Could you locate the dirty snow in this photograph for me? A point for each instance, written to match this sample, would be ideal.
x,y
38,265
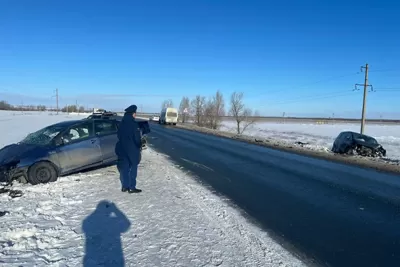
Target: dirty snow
x,y
321,136
175,221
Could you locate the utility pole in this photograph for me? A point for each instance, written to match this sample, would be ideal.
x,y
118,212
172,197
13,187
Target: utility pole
x,y
57,99
364,106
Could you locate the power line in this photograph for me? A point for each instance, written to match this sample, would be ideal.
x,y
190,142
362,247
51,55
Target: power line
x,y
387,89
314,97
309,84
385,70
127,95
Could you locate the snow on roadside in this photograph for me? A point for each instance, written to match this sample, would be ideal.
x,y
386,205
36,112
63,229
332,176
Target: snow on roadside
x,y
175,221
320,136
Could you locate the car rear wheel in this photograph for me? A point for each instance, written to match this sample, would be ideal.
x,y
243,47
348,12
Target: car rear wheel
x,y
42,173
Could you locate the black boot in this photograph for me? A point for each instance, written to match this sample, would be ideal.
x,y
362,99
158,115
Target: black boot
x,y
134,191
124,189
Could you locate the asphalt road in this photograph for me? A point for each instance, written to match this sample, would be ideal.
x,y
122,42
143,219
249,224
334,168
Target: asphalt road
x,y
329,213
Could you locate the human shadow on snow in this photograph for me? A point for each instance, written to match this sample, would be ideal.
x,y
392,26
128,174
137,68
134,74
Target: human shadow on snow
x,y
103,229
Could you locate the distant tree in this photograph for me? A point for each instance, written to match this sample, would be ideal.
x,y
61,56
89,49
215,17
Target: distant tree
x,y
167,104
41,107
81,109
198,106
70,108
214,111
4,105
184,105
243,116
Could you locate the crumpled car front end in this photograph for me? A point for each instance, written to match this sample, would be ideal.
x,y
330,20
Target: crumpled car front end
x,y
13,165
367,150
8,171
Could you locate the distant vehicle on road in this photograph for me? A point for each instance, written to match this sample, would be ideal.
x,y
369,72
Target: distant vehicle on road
x,y
168,116
360,144
155,118
61,149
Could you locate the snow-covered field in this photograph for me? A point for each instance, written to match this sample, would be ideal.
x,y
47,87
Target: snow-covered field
x,y
321,136
175,221
15,125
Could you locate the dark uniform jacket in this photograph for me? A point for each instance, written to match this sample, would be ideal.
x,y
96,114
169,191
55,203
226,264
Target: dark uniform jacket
x,y
129,140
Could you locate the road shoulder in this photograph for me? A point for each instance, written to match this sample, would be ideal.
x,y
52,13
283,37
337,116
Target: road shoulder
x,y
378,164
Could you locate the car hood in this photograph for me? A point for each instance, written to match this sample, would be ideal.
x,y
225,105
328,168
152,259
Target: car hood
x,y
16,152
366,144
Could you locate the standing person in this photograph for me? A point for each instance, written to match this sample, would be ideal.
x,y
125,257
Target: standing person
x,y
128,150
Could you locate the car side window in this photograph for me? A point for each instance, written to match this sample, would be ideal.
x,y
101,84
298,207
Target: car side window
x,y
77,133
105,127
342,137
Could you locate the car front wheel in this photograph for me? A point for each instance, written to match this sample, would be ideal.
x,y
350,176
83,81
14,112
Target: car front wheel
x,y
42,173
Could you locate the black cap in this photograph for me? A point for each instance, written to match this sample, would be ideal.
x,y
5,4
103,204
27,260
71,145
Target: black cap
x,y
131,109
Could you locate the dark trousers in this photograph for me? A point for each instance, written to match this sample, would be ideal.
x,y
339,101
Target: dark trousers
x,y
127,173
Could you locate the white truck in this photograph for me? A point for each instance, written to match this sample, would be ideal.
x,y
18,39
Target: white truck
x,y
168,116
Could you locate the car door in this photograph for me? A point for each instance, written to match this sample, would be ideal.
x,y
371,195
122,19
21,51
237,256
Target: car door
x,y
106,131
346,142
78,147
336,143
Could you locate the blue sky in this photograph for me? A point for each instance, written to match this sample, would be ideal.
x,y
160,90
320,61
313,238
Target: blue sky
x,y
298,57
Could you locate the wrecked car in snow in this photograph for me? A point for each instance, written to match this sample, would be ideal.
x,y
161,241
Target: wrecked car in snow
x,y
353,143
61,149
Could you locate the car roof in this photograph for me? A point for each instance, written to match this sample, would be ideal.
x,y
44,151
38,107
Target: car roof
x,y
358,134
66,123
72,122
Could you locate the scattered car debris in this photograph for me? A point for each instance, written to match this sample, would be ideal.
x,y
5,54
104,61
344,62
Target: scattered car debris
x,y
352,143
144,143
3,213
301,143
15,193
12,193
4,190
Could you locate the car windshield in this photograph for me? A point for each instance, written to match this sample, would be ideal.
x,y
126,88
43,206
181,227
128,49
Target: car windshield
x,y
43,136
366,138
